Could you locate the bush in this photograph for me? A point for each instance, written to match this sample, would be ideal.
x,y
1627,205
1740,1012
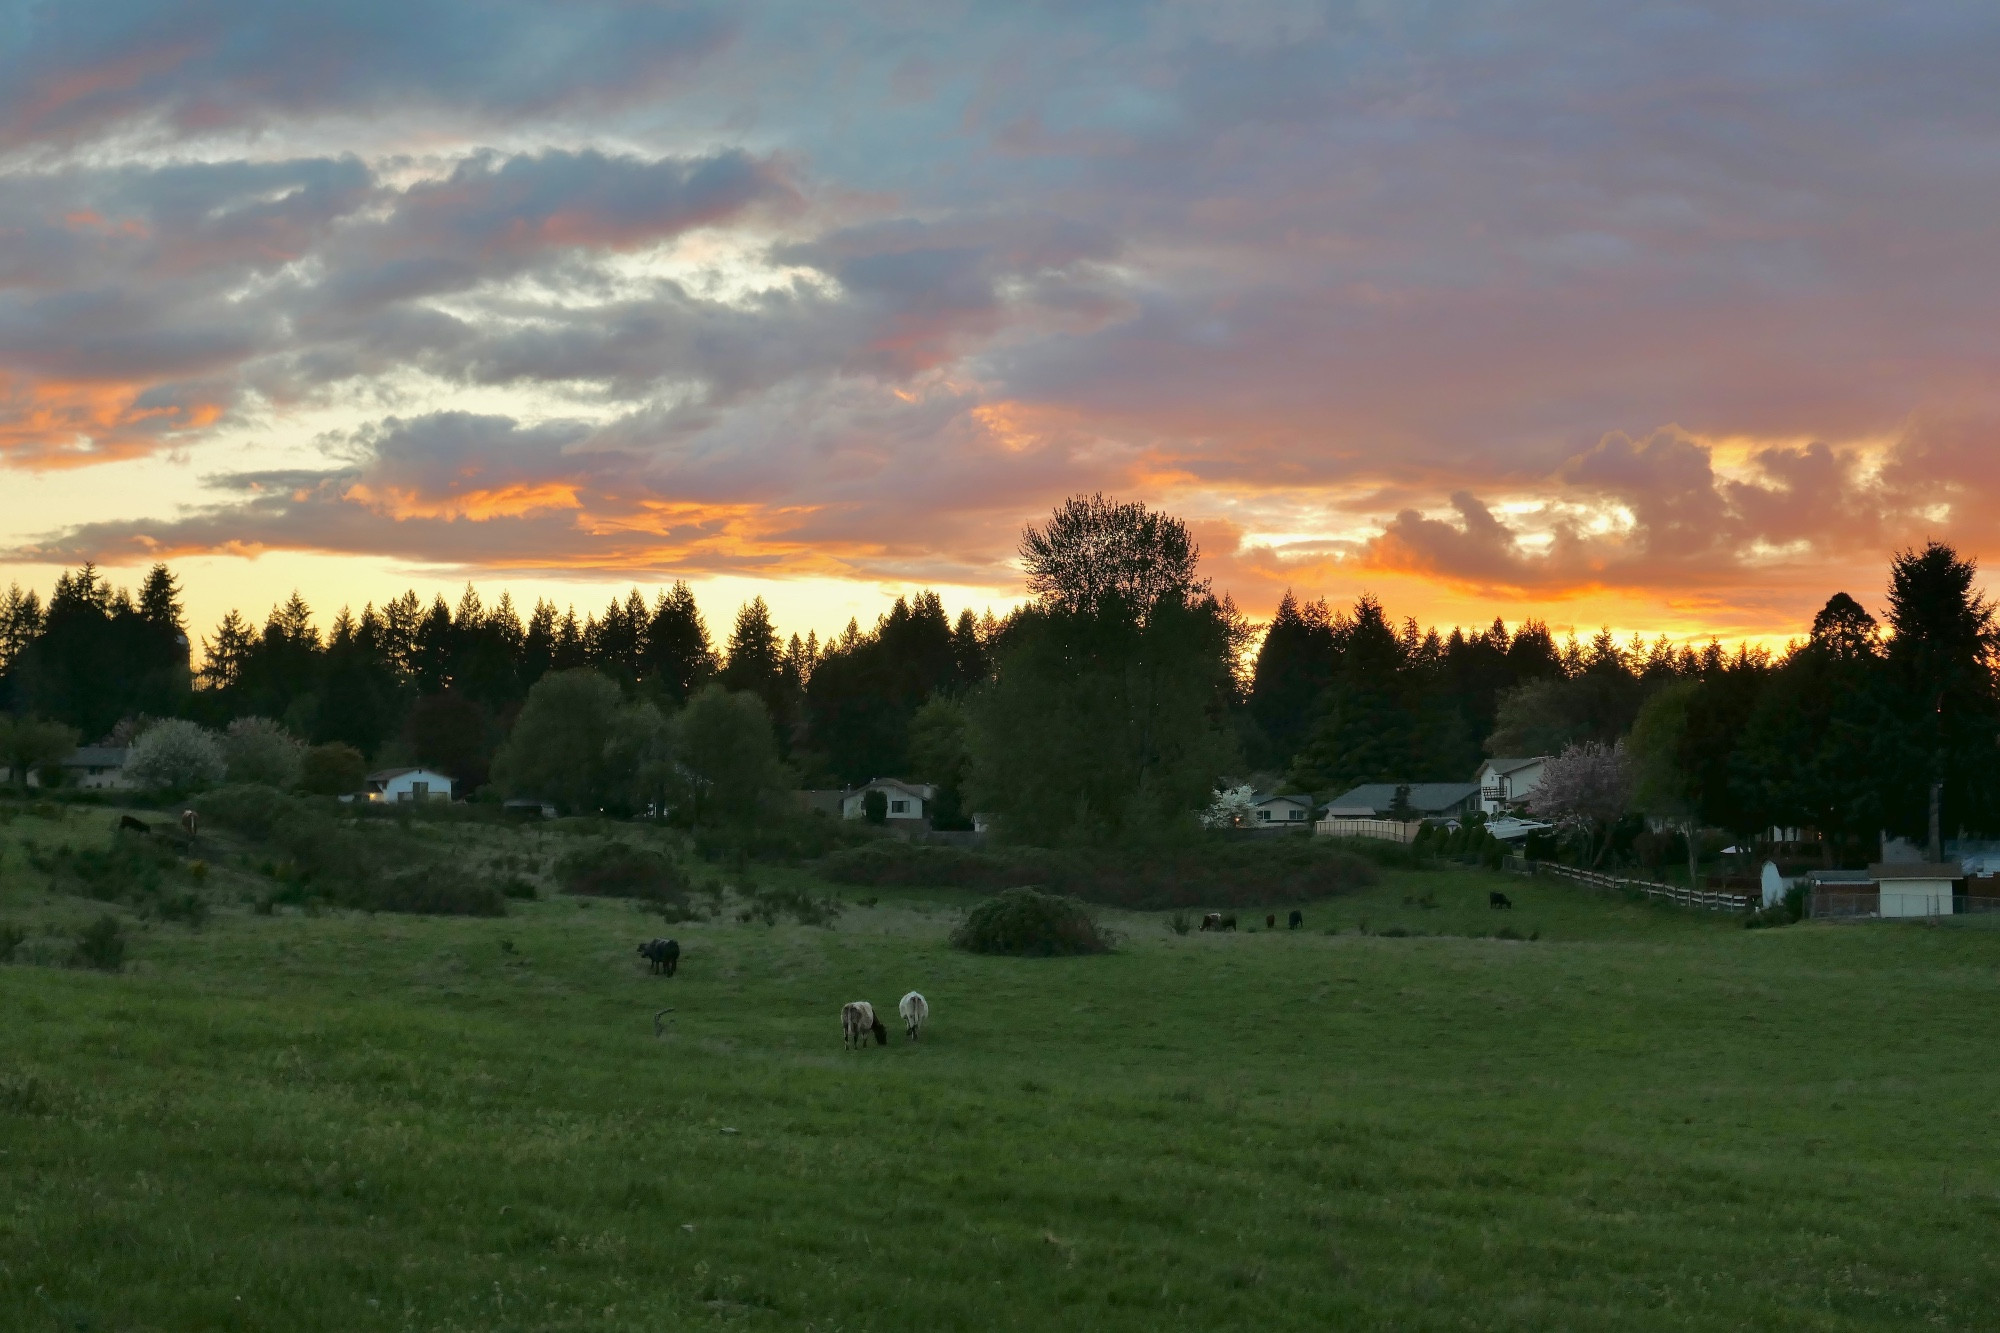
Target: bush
x,y
132,868
621,870
1030,923
12,937
252,809
101,945
256,749
1214,871
516,887
428,891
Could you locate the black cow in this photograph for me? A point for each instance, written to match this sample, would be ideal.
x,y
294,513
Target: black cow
x,y
663,955
1228,922
1298,919
1498,900
1270,921
127,824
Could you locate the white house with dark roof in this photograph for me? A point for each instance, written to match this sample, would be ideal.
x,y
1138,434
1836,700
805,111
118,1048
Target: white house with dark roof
x,y
391,785
907,801
1504,783
1272,811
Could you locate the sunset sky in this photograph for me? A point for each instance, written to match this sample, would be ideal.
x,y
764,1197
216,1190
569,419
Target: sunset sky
x,y
1669,317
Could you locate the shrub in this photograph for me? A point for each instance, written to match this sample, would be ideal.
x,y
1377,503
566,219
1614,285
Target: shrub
x,y
12,937
1030,923
176,756
252,809
188,907
101,945
427,891
621,870
516,887
133,869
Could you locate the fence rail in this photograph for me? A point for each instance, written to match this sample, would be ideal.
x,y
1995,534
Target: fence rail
x,y
1708,900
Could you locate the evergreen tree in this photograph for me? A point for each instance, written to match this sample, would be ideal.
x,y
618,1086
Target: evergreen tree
x,y
678,659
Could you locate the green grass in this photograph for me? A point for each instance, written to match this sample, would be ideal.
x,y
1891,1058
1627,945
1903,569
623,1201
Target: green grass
x,y
1646,1119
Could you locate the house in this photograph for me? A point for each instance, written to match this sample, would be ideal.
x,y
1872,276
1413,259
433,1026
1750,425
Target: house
x,y
907,801
1507,782
408,784
97,767
1271,811
1915,888
1428,800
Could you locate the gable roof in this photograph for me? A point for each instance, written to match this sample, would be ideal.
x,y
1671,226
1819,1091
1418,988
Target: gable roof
x,y
1426,798
391,774
1504,766
923,791
1267,797
97,756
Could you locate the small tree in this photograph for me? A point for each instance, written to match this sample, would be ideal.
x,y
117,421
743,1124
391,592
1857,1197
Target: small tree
x,y
729,757
1230,808
27,744
1662,785
561,748
1400,808
177,757
1585,789
875,807
256,749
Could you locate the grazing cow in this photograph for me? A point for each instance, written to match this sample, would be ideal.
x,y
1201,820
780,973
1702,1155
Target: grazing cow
x,y
127,824
1298,919
857,1020
664,956
1498,900
1213,921
1228,922
188,821
1270,921
916,1012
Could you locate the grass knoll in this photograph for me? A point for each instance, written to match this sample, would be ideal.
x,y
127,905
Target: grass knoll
x,y
1643,1119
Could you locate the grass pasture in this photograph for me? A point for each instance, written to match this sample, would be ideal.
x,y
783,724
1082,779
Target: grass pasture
x,y
1643,1119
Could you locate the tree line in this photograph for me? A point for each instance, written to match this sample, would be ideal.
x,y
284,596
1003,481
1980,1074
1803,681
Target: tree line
x,y
1109,705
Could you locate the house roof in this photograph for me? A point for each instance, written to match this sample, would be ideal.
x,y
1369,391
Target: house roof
x,y
391,774
97,756
923,791
1504,766
1266,797
1426,798
1917,870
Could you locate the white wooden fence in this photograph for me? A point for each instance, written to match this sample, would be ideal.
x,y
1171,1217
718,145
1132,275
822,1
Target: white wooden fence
x,y
1711,900
1394,830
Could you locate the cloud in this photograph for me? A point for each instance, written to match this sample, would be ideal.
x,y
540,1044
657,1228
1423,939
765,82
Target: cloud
x,y
82,70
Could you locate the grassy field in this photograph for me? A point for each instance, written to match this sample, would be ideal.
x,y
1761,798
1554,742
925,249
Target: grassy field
x,y
1641,1119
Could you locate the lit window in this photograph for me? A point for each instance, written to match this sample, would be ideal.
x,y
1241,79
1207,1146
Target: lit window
x,y
899,807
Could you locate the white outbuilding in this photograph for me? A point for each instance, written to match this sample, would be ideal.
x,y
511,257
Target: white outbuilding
x,y
1915,888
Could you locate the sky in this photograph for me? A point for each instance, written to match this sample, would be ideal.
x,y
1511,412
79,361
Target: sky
x,y
1667,317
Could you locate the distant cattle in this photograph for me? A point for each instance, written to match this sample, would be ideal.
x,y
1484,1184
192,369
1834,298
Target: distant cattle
x,y
1298,919
1228,922
127,824
188,822
1499,900
1270,921
916,1012
664,956
1213,921
857,1020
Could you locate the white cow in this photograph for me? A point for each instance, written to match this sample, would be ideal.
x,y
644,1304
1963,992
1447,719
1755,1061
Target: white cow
x,y
916,1012
857,1020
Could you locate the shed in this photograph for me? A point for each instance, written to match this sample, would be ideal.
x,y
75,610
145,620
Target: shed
x,y
408,784
1916,888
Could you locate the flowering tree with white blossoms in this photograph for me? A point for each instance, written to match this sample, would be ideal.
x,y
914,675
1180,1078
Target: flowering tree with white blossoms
x,y
1585,789
176,756
1229,808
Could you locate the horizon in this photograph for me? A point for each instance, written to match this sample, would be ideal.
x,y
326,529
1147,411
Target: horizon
x,y
1667,322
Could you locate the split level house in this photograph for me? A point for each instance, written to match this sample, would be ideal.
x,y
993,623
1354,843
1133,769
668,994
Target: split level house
x,y
1506,783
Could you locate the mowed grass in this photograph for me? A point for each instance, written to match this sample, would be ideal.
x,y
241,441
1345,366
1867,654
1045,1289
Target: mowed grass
x,y
1645,1119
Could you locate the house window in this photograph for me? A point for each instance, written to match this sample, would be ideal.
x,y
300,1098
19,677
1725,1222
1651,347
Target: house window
x,y
420,791
1263,815
899,807
1295,814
